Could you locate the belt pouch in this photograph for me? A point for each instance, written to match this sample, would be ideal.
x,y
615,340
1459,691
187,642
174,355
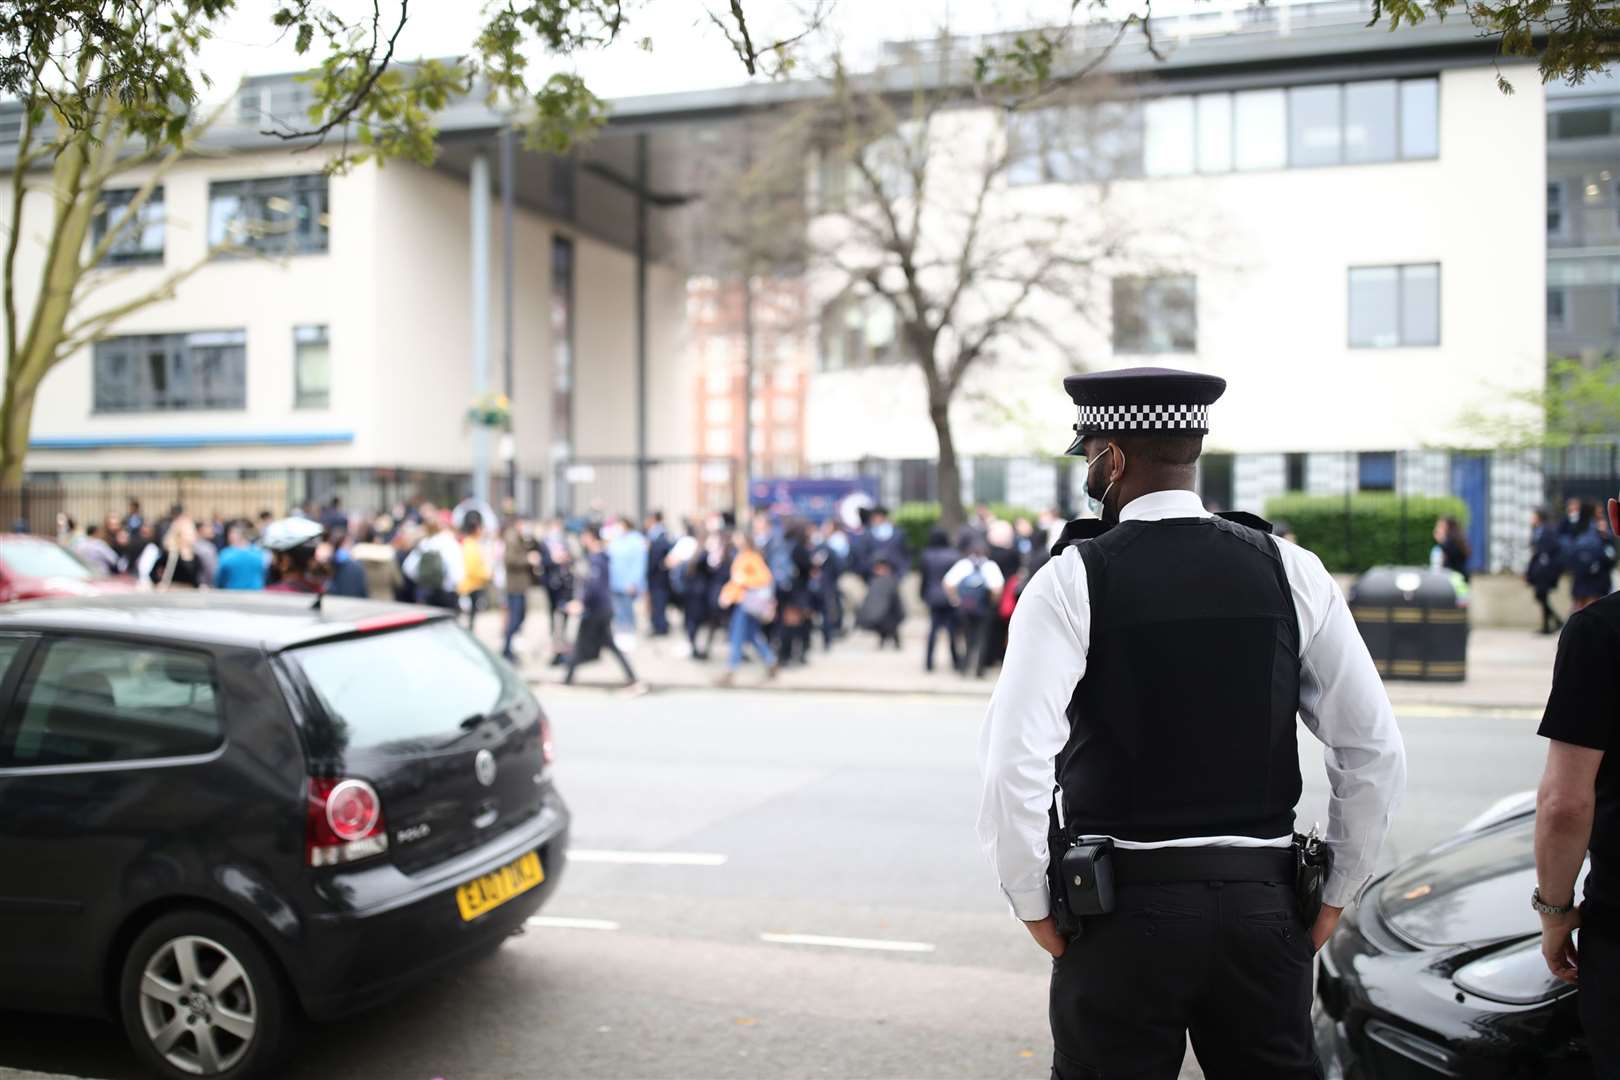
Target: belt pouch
x,y
1087,875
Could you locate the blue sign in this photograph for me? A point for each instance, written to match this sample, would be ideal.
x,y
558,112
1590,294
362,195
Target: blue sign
x,y
813,498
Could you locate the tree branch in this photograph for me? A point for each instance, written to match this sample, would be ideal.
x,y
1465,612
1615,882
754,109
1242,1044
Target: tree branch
x,y
357,97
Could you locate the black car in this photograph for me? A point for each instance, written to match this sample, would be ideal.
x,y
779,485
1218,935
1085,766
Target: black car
x,y
1438,971
220,812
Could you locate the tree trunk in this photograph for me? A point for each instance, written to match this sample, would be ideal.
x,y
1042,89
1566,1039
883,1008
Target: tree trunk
x,y
15,423
949,474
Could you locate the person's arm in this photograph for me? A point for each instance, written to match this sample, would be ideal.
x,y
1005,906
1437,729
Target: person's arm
x,y
958,572
1580,725
1023,732
994,579
1343,703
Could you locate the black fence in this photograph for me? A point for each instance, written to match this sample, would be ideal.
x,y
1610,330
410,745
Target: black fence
x,y
1389,499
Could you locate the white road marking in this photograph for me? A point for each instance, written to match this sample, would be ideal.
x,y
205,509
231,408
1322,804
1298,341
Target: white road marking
x,y
848,942
558,922
647,858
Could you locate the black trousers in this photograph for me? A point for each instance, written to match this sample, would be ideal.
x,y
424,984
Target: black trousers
x,y
942,620
1227,963
1599,999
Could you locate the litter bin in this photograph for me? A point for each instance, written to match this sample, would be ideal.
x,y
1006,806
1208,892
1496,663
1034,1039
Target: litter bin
x,y
1414,621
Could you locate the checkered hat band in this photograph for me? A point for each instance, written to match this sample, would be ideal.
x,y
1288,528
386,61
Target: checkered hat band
x,y
1144,418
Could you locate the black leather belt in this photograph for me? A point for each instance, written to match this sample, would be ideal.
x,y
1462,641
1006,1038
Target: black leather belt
x,y
1166,866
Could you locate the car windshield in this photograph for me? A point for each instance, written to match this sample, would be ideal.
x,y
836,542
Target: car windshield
x,y
41,559
407,686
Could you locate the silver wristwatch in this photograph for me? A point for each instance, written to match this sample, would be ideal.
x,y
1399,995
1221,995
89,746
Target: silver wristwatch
x,y
1549,909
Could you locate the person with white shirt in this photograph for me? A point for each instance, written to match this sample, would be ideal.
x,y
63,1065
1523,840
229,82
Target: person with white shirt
x,y
973,585
1155,668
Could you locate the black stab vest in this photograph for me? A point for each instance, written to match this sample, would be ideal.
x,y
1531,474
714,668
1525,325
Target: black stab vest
x,y
1184,722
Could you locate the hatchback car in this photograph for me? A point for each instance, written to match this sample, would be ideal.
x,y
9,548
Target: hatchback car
x,y
220,812
1438,971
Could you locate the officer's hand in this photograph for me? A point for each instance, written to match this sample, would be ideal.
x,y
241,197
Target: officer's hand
x,y
1327,921
1558,945
1045,933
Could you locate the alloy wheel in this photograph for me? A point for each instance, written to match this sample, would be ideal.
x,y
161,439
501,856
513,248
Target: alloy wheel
x,y
198,1006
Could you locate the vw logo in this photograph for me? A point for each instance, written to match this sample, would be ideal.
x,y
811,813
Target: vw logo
x,y
484,767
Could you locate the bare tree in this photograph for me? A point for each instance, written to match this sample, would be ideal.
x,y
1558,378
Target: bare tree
x,y
922,209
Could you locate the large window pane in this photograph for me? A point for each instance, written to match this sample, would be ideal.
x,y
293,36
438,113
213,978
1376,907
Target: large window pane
x,y
312,367
1260,122
1375,307
139,240
1215,133
90,702
276,215
163,372
1167,147
1420,305
1155,315
1369,121
1314,125
1420,118
1555,207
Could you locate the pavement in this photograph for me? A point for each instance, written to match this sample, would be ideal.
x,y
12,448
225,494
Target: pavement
x,y
1508,669
775,886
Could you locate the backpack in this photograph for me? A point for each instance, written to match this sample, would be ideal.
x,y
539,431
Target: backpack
x,y
1586,554
973,594
430,570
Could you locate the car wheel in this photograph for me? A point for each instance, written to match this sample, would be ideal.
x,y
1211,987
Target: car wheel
x,y
200,997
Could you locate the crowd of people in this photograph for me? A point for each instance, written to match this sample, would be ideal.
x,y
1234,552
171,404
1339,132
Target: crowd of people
x,y
1578,544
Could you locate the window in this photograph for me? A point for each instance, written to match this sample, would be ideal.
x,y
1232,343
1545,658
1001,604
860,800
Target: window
x,y
1557,309
1556,194
1315,127
161,372
139,240
717,441
91,702
312,368
1394,306
1594,122
1259,120
1370,121
857,331
1420,118
1296,475
1155,315
1168,142
717,410
1215,480
1215,133
989,480
1375,472
1075,144
283,215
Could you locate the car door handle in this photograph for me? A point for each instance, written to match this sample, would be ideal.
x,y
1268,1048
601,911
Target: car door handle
x,y
485,818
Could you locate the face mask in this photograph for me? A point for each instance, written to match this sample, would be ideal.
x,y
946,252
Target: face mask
x,y
1094,502
883,530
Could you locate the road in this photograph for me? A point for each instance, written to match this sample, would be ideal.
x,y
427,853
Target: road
x,y
773,820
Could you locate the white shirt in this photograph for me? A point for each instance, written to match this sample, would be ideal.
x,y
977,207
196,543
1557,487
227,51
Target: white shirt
x,y
449,548
1341,700
988,570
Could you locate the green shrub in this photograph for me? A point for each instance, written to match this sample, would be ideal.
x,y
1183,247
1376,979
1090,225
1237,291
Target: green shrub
x,y
1376,526
917,519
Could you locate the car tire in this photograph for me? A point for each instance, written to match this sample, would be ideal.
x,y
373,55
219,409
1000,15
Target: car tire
x,y
199,996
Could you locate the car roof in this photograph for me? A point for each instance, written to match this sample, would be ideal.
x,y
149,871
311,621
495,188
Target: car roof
x,y
215,617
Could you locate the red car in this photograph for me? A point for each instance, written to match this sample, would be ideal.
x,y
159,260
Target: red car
x,y
33,568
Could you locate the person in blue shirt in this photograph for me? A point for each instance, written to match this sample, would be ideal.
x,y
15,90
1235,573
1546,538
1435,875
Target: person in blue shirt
x,y
241,564
627,577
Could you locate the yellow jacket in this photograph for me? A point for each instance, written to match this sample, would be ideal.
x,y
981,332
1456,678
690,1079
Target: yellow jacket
x,y
475,575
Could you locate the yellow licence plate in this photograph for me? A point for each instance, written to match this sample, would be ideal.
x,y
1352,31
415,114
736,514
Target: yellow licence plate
x,y
485,893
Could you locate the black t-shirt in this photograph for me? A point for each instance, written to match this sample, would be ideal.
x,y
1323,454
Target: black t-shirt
x,y
1584,709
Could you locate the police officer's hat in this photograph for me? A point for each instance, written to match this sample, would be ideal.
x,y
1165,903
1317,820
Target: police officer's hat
x,y
1142,400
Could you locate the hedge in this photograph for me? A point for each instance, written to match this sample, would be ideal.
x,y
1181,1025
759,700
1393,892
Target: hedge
x,y
1375,528
917,519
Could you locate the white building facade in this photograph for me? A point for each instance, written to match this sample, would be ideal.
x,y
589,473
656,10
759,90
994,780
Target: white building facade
x,y
1358,248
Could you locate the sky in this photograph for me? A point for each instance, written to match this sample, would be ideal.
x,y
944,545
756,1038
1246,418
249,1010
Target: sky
x,y
687,51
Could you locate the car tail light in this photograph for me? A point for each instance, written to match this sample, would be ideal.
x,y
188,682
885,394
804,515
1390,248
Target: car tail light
x,y
344,822
548,753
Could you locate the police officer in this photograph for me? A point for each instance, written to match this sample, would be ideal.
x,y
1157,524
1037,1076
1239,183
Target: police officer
x,y
1153,674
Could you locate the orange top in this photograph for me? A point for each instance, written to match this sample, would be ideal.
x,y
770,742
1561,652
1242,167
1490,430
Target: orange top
x,y
748,571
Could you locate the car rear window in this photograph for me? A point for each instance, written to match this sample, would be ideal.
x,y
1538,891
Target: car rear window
x,y
40,559
87,701
404,685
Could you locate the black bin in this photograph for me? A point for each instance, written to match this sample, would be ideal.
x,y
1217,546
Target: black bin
x,y
1414,621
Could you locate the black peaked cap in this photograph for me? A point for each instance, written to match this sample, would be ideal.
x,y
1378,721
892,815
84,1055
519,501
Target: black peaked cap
x,y
1143,400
